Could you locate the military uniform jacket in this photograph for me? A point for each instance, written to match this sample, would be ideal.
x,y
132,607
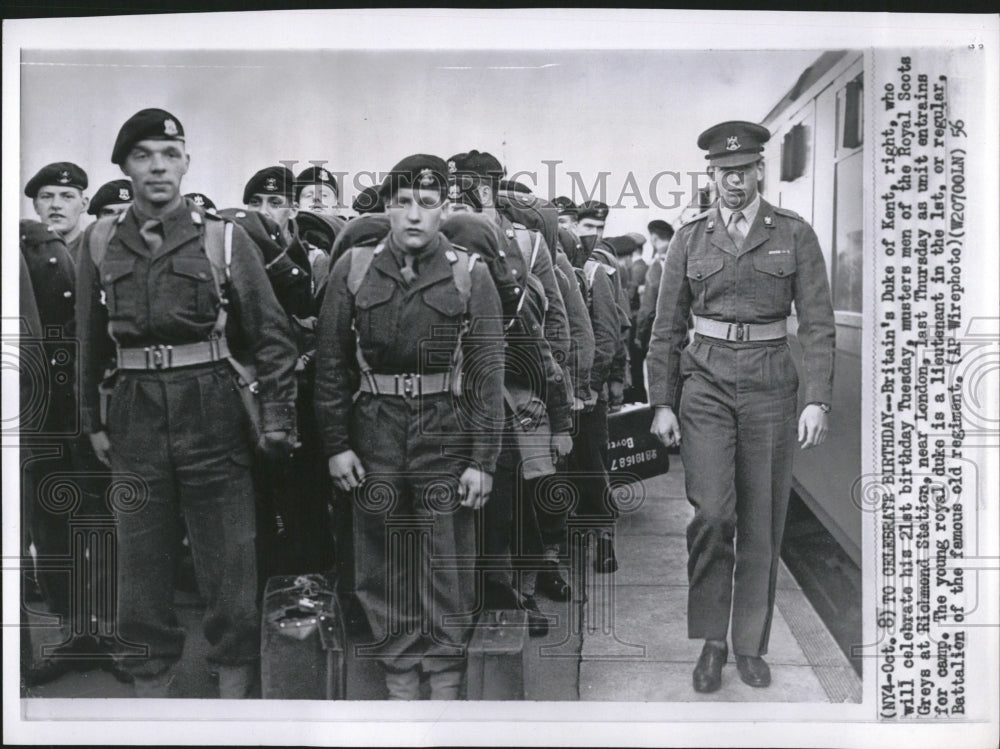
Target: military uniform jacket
x,y
706,275
410,329
581,344
171,298
647,302
52,277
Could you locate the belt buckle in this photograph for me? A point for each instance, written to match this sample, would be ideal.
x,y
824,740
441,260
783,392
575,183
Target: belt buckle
x,y
158,357
740,331
408,385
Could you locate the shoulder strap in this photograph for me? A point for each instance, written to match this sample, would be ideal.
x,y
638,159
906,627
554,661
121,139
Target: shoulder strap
x,y
219,249
100,237
361,260
529,252
590,270
462,273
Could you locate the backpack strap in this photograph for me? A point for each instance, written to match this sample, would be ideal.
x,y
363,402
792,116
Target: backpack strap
x,y
528,252
219,249
100,237
361,260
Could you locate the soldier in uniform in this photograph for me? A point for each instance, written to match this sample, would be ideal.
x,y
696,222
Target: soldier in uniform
x,y
111,199
176,419
477,176
567,212
660,233
737,269
419,443
316,190
56,192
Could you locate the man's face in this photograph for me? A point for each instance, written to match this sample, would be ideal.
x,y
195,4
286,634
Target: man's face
x,y
567,222
415,216
278,208
156,168
60,207
321,199
660,243
737,185
586,227
113,209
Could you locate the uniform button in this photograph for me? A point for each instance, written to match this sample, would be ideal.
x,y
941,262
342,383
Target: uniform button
x,y
202,275
295,271
52,261
781,271
698,274
517,289
67,294
513,272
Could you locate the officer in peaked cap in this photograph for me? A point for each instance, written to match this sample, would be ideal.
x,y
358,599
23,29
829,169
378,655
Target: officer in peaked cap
x,y
201,200
56,193
316,190
111,199
392,361
737,407
568,212
149,294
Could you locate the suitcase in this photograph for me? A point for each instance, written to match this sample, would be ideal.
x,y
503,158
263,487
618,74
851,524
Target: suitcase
x,y
302,640
495,669
633,452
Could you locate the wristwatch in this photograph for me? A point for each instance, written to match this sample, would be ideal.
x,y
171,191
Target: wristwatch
x,y
824,407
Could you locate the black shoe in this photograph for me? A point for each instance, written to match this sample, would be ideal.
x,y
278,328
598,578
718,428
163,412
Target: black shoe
x,y
604,556
707,676
44,671
552,584
538,623
753,670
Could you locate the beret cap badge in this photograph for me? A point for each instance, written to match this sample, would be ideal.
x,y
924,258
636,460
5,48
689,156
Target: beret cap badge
x,y
123,194
169,127
271,184
64,177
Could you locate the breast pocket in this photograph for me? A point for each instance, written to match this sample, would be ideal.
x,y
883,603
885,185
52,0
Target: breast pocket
x,y
190,285
774,281
117,278
703,278
376,313
445,300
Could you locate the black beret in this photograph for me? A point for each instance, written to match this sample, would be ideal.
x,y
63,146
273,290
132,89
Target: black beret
x,y
734,143
621,246
661,228
593,209
201,200
472,232
149,124
271,180
315,175
419,170
565,206
61,173
368,201
115,191
482,164
514,186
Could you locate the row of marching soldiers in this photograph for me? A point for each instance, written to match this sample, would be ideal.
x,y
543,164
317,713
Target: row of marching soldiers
x,y
401,399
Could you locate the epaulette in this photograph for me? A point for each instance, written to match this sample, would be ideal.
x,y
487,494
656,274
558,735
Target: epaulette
x,y
452,256
697,217
786,212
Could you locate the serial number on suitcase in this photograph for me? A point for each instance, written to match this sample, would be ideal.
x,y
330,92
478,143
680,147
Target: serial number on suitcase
x,y
634,459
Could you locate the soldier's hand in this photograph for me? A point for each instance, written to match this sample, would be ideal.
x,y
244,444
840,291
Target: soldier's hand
x,y
616,396
102,447
346,470
562,444
665,427
278,444
474,487
578,404
813,424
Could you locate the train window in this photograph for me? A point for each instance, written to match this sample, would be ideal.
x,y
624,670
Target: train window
x,y
849,234
793,154
850,115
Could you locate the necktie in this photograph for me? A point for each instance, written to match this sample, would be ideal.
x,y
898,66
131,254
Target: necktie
x,y
736,228
150,232
409,269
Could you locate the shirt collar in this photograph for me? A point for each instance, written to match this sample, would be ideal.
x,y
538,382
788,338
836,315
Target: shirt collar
x,y
749,213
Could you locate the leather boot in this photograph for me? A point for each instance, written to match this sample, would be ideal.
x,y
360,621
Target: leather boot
x,y
403,685
235,682
445,684
153,687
